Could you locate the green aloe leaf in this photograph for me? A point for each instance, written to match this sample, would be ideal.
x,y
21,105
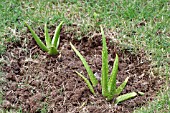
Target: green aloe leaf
x,y
104,78
121,87
56,37
52,51
87,82
89,71
141,93
47,37
112,80
37,39
125,97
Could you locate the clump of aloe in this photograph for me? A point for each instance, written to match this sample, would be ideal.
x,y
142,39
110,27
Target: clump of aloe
x,y
51,45
108,83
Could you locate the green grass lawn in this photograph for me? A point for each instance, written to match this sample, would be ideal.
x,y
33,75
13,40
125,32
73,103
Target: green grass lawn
x,y
138,25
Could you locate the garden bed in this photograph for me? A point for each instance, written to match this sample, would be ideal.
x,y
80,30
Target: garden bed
x,y
35,80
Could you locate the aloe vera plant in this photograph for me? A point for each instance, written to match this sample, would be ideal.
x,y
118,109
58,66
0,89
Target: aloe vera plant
x,y
51,45
108,83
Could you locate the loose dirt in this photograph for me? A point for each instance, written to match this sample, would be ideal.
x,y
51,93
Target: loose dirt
x,y
35,80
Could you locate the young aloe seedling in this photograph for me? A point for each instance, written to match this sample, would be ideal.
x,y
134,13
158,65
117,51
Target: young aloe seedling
x,y
51,45
108,83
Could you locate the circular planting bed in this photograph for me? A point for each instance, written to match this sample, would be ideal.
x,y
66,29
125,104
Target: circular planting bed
x,y
36,81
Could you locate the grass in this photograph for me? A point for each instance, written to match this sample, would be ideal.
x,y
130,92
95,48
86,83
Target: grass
x,y
160,105
135,24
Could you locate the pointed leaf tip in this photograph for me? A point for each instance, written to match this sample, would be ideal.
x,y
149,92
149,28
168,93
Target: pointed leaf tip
x,y
56,37
86,81
47,37
87,67
121,87
112,80
105,68
37,39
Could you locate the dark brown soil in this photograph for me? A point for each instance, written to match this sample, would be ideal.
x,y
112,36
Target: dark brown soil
x,y
35,79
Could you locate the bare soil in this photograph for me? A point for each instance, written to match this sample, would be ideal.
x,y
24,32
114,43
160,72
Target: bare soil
x,y
34,79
